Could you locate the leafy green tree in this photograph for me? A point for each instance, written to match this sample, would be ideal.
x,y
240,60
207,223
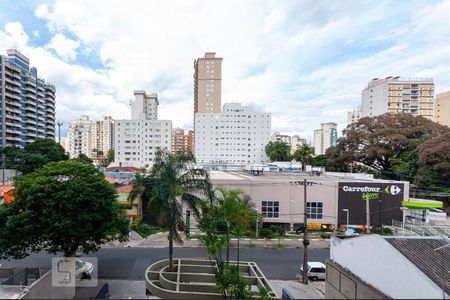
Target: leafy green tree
x,y
58,208
12,155
39,153
303,154
378,142
83,158
278,151
110,156
174,182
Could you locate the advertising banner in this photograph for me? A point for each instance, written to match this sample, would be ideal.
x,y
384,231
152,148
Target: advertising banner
x,y
385,201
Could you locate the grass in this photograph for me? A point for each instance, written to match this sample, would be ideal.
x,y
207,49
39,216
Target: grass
x,y
279,246
151,231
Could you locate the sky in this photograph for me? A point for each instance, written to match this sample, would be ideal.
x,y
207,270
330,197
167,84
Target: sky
x,y
305,61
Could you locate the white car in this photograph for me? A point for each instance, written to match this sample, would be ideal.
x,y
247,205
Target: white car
x,y
83,268
316,270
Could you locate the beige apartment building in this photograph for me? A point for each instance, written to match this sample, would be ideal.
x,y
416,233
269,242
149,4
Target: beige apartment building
x,y
179,140
208,84
398,95
442,108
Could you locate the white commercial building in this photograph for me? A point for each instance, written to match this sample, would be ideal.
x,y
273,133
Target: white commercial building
x,y
79,137
325,137
137,140
237,135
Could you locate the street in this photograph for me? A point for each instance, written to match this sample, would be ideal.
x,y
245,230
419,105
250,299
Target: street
x,y
130,263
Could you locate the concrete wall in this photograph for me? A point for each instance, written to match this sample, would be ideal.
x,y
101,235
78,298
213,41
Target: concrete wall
x,y
342,284
43,289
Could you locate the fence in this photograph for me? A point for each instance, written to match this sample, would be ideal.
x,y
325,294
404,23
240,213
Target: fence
x,y
20,276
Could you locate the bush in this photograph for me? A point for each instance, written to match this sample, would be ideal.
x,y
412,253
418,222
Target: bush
x,y
145,229
279,246
381,230
278,229
325,235
266,233
136,223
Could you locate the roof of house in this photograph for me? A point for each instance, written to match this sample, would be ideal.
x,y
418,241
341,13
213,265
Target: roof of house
x,y
422,253
125,189
6,188
376,261
113,180
124,169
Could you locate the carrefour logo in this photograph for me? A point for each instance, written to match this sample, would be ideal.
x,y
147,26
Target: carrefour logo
x,y
393,190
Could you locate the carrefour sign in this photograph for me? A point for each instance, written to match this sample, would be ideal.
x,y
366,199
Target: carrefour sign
x,y
389,189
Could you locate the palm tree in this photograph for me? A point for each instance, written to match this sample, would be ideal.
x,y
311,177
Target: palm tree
x,y
139,191
278,151
173,182
233,207
302,154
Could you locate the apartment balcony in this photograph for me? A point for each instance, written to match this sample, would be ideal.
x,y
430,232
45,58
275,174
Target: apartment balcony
x,y
12,117
11,123
41,119
31,121
13,130
30,115
30,128
13,139
41,107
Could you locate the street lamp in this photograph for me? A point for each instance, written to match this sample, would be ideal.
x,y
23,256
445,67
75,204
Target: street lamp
x,y
257,221
348,213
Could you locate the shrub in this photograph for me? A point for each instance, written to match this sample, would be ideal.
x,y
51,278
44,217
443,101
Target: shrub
x,y
381,230
145,229
266,233
325,235
278,229
279,246
136,223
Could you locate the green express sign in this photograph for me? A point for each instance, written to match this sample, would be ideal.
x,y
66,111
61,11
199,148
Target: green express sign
x,y
385,202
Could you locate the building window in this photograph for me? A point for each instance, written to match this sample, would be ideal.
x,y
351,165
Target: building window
x,y
270,209
314,210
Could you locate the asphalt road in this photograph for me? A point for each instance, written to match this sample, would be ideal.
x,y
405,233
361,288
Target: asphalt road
x,y
130,263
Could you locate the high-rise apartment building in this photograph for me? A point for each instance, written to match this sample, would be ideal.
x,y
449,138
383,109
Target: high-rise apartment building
x,y
190,140
144,106
207,84
296,142
442,108
237,135
398,95
79,137
27,102
325,137
354,116
278,137
179,140
102,136
136,141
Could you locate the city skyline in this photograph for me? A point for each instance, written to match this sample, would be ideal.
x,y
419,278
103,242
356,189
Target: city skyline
x,y
306,63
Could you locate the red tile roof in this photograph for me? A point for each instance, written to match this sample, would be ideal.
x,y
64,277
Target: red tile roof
x,y
6,188
125,189
113,180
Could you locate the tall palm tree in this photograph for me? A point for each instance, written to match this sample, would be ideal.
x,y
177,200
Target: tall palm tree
x,y
233,207
302,154
173,182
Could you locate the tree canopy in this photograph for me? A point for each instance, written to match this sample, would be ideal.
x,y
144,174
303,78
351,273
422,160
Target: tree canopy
x,y
399,147
34,155
83,158
59,208
278,151
304,154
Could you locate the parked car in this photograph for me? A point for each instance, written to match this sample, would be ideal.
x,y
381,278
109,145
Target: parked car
x,y
83,269
316,270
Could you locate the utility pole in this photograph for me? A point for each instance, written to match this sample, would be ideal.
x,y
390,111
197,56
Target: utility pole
x,y
59,131
367,213
305,183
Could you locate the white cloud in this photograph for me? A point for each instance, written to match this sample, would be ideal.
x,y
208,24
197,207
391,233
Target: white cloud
x,y
306,62
13,36
64,47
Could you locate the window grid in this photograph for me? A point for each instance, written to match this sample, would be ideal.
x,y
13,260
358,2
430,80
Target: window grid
x,y
270,209
314,210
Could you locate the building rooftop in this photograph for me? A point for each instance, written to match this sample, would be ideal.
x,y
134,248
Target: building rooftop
x,y
434,264
396,266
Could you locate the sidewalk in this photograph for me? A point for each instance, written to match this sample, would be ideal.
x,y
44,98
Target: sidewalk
x,y
313,290
160,240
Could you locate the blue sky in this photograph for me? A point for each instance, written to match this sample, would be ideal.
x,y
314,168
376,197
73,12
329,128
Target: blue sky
x,y
306,61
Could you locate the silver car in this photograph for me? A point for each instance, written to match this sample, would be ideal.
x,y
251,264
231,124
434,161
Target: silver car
x,y
316,270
